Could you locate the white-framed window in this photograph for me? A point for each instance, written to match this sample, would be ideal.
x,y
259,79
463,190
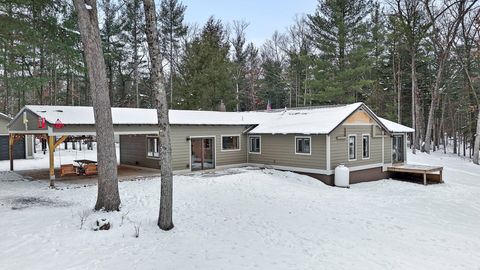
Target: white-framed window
x,y
366,146
303,145
230,142
153,147
255,145
352,147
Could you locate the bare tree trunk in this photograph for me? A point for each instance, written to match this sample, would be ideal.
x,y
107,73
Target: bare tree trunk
x,y
108,197
476,146
399,92
433,106
414,104
166,195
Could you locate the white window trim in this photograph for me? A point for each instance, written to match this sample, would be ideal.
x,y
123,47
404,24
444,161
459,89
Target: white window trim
x,y
369,144
354,147
249,141
231,150
146,146
295,145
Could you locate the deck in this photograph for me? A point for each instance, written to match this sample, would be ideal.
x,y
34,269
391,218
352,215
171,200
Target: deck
x,y
429,173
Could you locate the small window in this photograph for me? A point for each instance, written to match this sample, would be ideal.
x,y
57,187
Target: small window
x,y
302,145
230,143
352,147
366,146
152,147
255,146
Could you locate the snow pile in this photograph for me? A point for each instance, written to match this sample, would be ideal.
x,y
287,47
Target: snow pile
x,y
250,219
62,156
10,176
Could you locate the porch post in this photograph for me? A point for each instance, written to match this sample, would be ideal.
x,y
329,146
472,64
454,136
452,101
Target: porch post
x,y
11,143
51,149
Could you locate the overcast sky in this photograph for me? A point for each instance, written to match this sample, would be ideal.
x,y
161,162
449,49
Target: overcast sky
x,y
264,16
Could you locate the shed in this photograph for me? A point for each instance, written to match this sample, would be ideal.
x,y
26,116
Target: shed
x,y
21,150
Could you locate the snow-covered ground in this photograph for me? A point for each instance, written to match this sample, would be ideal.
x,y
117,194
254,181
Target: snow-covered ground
x,y
62,156
249,219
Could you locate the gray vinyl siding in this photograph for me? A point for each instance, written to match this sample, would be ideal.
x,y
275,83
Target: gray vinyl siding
x,y
339,145
32,124
18,149
3,126
133,151
133,148
280,150
388,149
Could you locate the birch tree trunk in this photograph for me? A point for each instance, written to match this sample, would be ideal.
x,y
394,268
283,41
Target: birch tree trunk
x,y
414,142
476,145
108,197
156,73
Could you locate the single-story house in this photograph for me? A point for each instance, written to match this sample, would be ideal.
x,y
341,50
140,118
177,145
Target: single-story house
x,y
24,148
312,141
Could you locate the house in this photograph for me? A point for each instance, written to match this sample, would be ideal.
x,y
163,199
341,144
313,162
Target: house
x,y
24,148
312,141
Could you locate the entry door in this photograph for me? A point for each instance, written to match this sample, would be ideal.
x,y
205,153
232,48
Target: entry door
x,y
398,149
203,154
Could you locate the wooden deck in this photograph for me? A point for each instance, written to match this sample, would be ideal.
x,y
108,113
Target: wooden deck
x,y
432,173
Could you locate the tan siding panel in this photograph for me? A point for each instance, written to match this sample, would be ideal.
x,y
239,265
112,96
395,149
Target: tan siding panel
x,y
133,147
388,149
339,146
280,150
3,126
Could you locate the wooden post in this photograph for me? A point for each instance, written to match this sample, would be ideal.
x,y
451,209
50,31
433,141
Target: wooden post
x,y
425,178
51,149
11,143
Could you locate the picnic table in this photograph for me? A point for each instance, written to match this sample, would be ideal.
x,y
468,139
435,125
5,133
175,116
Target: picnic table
x,y
84,164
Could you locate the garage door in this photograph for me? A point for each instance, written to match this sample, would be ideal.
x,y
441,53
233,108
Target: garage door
x,y
19,149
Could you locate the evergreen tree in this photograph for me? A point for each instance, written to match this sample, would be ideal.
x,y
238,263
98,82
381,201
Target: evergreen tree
x,y
207,70
339,31
172,29
274,88
132,36
240,54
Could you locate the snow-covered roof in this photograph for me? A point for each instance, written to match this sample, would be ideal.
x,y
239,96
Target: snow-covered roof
x,y
5,116
307,121
79,115
395,127
320,120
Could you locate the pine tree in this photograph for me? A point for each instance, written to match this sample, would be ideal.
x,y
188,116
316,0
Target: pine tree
x,y
339,31
207,70
240,54
274,88
172,29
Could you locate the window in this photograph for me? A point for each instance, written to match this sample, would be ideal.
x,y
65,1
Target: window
x,y
152,147
365,146
255,145
231,143
302,145
352,147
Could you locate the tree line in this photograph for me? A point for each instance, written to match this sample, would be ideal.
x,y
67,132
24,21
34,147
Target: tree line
x,y
412,61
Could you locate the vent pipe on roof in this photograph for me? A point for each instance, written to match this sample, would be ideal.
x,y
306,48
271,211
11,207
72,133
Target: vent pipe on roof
x,y
221,107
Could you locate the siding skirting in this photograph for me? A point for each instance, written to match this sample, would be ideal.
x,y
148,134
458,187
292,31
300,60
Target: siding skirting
x,y
316,171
